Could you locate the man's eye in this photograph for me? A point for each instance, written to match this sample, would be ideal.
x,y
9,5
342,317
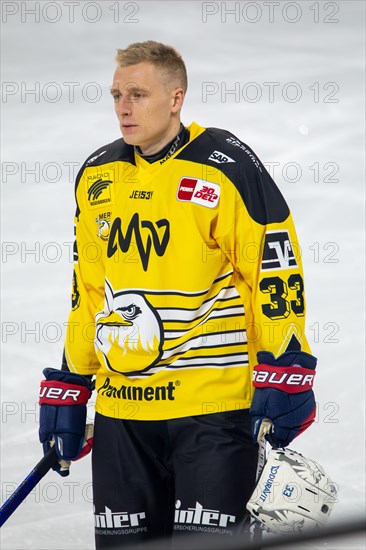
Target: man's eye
x,y
116,97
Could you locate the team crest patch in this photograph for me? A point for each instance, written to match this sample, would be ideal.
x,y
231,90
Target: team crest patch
x,y
103,225
205,193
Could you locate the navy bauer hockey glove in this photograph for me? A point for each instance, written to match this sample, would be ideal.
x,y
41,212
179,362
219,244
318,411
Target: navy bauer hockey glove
x,y
283,404
63,398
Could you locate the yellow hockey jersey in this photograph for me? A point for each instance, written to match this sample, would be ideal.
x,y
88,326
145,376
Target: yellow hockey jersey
x,y
184,269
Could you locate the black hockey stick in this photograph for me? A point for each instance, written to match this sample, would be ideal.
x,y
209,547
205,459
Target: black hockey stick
x,y
34,477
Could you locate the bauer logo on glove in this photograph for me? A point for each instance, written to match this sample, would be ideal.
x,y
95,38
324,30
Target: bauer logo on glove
x,y
283,404
63,399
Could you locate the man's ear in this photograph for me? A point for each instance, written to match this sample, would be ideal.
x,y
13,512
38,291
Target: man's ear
x,y
177,99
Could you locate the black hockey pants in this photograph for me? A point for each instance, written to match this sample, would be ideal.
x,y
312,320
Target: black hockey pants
x,y
154,479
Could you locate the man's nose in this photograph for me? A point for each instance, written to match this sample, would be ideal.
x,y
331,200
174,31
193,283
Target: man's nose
x,y
124,106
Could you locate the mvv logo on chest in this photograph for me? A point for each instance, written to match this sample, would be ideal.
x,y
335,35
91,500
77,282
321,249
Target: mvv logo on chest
x,y
146,235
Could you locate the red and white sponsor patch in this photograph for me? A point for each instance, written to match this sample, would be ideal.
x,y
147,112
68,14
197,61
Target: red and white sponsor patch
x,y
205,193
288,379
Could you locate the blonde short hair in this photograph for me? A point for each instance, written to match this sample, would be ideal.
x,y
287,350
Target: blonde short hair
x,y
158,54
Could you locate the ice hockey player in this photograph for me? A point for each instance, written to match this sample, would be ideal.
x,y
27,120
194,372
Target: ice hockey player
x,y
188,307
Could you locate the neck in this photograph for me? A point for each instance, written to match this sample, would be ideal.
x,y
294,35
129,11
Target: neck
x,y
159,145
179,138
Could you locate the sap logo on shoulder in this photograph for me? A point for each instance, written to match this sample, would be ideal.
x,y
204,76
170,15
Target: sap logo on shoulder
x,y
220,158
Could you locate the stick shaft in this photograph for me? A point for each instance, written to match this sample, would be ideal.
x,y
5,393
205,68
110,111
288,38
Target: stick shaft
x,y
27,485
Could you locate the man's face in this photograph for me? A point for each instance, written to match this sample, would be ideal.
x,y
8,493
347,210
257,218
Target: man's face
x,y
146,106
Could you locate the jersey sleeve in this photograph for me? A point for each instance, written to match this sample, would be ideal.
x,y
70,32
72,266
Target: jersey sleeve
x,y
87,291
256,232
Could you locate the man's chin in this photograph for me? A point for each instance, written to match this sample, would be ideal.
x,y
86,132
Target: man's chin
x,y
129,134
129,139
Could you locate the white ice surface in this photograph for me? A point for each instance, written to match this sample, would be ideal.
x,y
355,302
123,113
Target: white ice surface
x,y
37,213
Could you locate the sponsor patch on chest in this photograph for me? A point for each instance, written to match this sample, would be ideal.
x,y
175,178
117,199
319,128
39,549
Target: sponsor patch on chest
x,y
205,193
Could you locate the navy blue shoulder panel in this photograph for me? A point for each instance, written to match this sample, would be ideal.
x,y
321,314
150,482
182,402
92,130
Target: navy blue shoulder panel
x,y
223,151
116,151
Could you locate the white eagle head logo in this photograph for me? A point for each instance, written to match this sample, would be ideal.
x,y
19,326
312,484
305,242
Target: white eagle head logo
x,y
128,333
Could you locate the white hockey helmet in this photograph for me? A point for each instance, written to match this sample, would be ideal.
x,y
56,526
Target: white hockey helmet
x,y
293,493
